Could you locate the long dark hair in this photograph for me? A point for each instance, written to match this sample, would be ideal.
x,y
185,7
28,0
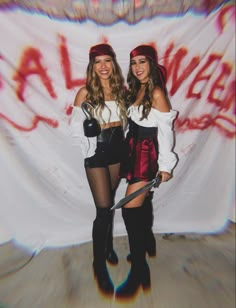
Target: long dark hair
x,y
157,78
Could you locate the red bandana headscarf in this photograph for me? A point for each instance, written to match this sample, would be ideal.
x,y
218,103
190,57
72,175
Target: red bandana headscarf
x,y
151,53
145,50
101,50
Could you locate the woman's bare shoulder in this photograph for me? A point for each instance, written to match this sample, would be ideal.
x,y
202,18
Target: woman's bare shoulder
x,y
160,101
80,96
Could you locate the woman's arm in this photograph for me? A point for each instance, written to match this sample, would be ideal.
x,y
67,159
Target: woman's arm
x,y
80,97
76,126
167,158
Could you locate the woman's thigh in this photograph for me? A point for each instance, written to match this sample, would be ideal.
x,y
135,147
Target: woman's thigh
x,y
137,201
100,186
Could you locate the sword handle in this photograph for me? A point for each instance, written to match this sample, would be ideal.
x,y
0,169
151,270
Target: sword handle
x,y
157,180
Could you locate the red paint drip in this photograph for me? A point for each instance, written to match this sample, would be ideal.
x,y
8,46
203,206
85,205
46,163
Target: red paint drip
x,y
35,121
206,121
69,110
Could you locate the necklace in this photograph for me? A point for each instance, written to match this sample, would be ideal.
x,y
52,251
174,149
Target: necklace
x,y
145,83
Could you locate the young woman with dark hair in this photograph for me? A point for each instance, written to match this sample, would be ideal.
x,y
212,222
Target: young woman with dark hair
x,y
150,152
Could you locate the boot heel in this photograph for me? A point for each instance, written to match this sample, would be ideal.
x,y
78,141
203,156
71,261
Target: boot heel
x,y
146,283
151,253
146,279
151,244
103,279
112,258
94,272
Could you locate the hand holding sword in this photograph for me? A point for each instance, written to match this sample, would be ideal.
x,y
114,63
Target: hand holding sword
x,y
154,183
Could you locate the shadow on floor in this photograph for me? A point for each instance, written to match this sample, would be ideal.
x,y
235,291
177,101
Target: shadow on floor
x,y
189,271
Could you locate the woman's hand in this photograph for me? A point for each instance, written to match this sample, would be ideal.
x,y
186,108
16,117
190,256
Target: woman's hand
x,y
165,176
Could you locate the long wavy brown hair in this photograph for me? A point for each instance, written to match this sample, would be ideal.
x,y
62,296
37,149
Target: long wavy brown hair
x,y
95,93
157,77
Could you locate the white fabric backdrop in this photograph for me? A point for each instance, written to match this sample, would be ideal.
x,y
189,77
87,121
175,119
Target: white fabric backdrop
x,y
45,199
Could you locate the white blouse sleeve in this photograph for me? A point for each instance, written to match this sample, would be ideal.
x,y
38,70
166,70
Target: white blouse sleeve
x,y
167,158
87,145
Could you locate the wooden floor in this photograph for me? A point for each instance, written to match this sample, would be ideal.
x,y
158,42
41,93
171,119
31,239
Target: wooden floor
x,y
189,271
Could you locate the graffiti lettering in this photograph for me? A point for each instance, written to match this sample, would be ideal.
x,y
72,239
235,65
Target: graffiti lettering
x,y
174,67
219,87
30,65
224,16
212,72
66,66
201,77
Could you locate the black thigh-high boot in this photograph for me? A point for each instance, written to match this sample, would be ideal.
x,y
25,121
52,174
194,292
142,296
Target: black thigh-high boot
x,y
139,274
111,255
100,231
148,218
148,222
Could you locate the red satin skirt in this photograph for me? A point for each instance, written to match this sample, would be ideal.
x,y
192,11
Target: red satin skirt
x,y
142,154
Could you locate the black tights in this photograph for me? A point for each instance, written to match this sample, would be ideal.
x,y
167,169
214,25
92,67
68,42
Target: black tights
x,y
103,182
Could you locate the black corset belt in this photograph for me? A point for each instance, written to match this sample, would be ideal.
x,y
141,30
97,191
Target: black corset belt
x,y
141,132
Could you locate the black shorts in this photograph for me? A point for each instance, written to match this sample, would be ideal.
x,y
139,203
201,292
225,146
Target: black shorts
x,y
110,149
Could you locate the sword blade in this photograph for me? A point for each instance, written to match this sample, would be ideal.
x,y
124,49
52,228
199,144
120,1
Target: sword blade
x,y
155,182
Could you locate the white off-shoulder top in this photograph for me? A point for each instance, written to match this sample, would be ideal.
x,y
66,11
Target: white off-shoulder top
x,y
111,113
165,136
88,145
